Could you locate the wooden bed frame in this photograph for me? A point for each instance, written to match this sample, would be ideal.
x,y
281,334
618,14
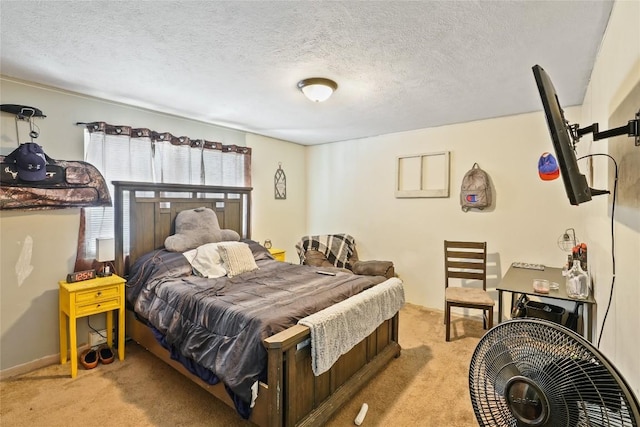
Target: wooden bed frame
x,y
292,396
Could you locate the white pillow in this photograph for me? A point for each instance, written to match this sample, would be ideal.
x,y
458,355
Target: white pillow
x,y
205,259
237,258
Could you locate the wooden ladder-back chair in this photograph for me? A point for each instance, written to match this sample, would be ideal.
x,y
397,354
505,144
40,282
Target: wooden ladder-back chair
x,y
468,261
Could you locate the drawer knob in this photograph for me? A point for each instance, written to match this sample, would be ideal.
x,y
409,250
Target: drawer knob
x,y
98,305
99,293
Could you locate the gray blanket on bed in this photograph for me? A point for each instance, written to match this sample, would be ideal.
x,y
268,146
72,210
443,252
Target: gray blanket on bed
x,y
221,323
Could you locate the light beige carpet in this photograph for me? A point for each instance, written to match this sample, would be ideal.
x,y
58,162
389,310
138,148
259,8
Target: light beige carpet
x,y
426,386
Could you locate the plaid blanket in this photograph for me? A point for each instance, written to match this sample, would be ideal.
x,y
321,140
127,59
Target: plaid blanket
x,y
338,248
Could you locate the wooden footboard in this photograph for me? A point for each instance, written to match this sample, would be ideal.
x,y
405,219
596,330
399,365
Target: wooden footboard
x,y
298,398
293,395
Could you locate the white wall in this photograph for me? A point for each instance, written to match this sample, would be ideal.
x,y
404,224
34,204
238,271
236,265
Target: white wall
x,y
47,240
281,221
353,191
616,73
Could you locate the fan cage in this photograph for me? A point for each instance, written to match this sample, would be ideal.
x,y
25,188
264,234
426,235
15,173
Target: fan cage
x,y
581,386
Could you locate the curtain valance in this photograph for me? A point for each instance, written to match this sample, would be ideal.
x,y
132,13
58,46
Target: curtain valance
x,y
155,136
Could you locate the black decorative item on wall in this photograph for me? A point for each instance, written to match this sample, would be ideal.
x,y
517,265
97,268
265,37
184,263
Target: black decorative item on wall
x,y
280,183
24,113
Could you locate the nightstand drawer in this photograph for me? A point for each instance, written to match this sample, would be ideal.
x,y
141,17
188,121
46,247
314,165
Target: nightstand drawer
x,y
97,306
96,295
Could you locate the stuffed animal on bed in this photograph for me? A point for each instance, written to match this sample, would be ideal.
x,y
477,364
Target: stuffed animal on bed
x,y
195,227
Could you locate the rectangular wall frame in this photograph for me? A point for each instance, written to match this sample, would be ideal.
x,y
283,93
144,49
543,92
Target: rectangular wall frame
x,y
422,175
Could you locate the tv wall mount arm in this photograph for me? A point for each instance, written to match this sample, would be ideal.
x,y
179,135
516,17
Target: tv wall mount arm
x,y
632,129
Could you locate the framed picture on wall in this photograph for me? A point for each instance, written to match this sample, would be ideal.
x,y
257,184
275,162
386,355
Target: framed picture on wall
x,y
280,184
422,175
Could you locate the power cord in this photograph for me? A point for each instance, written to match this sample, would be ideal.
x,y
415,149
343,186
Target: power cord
x,y
613,246
94,329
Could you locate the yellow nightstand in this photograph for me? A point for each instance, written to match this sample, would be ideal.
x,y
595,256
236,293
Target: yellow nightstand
x,y
94,296
278,254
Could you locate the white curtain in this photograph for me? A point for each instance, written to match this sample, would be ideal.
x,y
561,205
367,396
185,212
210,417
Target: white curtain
x,y
125,154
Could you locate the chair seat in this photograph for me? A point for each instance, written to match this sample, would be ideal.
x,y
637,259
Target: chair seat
x,y
458,295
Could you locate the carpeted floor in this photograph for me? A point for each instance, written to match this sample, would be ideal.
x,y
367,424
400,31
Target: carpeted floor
x,y
426,386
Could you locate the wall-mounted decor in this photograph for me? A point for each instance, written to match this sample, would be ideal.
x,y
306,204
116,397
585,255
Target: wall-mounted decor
x,y
67,184
280,183
31,180
423,175
24,113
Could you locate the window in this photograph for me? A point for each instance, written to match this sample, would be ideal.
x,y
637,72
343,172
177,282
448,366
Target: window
x,y
121,153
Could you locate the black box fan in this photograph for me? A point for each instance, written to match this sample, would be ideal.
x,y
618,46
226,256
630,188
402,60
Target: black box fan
x,y
533,372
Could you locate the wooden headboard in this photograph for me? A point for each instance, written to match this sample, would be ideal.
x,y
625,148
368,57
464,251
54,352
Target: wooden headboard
x,y
148,210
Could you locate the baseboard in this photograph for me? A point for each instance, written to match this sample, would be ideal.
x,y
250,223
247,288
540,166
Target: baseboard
x,y
34,365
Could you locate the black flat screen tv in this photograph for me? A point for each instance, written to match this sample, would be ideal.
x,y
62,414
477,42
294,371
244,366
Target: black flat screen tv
x,y
575,183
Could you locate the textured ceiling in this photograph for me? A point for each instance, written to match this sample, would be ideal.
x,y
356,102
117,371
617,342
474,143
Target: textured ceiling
x,y
399,65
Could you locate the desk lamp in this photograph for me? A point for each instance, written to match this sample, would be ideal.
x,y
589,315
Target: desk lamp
x,y
568,240
105,253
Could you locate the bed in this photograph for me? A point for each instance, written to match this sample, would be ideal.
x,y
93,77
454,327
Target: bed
x,y
289,394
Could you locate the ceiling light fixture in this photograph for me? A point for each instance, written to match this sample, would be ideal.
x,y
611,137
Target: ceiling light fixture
x,y
317,89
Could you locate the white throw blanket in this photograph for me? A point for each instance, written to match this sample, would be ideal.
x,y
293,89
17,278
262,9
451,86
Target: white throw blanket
x,y
337,329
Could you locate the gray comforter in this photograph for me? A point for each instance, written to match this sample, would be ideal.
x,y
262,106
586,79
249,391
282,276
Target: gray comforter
x,y
221,323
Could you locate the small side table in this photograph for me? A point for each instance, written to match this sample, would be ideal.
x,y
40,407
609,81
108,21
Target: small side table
x,y
519,281
278,254
80,299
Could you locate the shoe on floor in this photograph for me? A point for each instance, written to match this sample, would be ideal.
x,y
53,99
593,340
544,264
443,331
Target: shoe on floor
x,y
106,354
89,358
